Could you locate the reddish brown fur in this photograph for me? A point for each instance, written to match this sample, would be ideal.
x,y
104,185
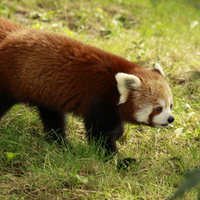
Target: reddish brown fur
x,y
60,72
154,112
154,87
6,27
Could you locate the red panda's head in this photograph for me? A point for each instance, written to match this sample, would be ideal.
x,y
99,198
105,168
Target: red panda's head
x,y
151,96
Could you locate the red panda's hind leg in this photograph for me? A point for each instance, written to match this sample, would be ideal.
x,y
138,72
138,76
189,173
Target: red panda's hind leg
x,y
104,127
54,125
6,102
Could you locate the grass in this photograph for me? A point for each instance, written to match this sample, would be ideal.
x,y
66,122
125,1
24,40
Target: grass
x,y
142,31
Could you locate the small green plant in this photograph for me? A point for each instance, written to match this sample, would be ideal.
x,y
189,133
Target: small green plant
x,y
11,156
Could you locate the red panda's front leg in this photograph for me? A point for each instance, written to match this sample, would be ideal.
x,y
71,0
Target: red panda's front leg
x,y
103,126
54,124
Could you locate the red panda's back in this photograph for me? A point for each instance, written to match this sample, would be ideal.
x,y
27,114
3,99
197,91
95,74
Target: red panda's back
x,y
6,27
54,70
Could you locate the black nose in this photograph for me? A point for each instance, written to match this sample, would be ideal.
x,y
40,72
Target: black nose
x,y
170,119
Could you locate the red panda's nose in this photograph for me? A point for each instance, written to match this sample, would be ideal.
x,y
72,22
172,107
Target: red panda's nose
x,y
170,119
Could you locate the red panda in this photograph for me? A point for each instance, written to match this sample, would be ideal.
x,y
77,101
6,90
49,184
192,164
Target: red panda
x,y
59,74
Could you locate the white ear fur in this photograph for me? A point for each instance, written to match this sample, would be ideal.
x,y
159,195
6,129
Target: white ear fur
x,y
158,67
126,82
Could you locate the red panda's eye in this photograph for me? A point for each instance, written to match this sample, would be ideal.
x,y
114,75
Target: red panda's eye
x,y
159,109
171,106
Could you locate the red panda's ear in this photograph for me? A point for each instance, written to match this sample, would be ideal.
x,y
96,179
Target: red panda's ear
x,y
125,83
158,69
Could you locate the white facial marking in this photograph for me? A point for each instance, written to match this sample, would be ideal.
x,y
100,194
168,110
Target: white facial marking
x,y
143,114
169,100
161,120
158,67
162,102
125,82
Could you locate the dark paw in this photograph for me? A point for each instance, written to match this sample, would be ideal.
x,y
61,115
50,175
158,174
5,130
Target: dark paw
x,y
125,163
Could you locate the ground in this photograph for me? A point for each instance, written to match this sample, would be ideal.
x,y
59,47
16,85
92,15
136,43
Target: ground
x,y
145,32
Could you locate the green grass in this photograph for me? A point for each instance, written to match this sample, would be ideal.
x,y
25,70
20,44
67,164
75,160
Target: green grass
x,y
142,31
